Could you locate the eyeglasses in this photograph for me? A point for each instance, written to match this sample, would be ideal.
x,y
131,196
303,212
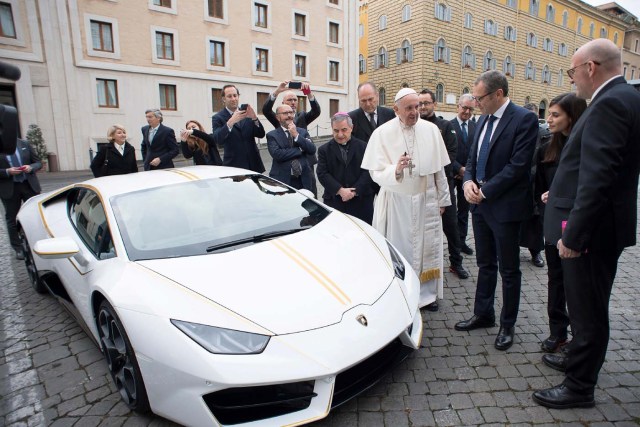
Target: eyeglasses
x,y
463,108
480,98
572,71
425,103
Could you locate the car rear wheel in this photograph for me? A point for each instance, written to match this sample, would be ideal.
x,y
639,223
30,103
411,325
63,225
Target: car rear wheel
x,y
121,359
29,263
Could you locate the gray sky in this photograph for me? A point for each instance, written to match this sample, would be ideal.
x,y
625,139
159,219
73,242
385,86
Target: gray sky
x,y
632,6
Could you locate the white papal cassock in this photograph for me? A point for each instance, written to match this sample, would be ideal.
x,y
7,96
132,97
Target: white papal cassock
x,y
407,210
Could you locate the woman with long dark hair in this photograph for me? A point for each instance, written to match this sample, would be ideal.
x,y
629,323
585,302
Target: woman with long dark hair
x,y
564,112
196,143
118,157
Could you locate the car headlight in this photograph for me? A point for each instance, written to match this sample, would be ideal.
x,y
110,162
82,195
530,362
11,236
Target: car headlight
x,y
223,341
396,261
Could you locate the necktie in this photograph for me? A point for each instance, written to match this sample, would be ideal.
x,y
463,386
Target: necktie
x,y
152,133
465,135
296,168
484,150
372,120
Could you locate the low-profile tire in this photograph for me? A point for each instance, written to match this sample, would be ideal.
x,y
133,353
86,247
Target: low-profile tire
x,y
121,359
32,270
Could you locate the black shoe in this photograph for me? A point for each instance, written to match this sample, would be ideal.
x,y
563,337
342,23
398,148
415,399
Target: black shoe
x,y
555,361
19,255
560,397
466,249
553,344
475,322
504,339
432,307
536,259
459,271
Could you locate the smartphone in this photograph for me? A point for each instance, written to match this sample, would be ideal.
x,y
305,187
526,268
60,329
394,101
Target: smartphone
x,y
22,168
295,85
243,107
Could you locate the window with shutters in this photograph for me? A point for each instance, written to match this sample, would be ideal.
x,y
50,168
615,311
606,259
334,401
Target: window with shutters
x,y
510,33
443,12
548,45
382,22
468,58
362,64
546,74
532,40
489,63
468,20
551,14
441,53
404,53
508,67
529,71
406,13
382,58
534,7
440,93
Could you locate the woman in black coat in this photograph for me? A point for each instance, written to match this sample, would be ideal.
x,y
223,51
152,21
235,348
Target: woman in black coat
x,y
564,112
118,157
196,143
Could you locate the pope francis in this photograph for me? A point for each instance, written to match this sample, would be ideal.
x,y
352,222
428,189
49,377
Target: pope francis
x,y
406,157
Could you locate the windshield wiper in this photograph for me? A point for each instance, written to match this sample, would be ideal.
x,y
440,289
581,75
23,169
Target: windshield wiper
x,y
255,239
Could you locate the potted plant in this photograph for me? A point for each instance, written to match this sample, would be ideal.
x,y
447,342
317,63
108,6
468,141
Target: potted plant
x,y
34,136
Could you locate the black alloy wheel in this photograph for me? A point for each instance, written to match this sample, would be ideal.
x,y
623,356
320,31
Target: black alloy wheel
x,y
121,359
32,270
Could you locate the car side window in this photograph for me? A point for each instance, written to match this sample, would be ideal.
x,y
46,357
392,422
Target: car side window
x,y
90,221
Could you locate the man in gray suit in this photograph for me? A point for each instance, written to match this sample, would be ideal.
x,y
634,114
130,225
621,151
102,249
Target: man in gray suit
x,y
18,183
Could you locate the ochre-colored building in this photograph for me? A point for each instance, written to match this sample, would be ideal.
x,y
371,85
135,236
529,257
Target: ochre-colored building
x,y
87,64
444,45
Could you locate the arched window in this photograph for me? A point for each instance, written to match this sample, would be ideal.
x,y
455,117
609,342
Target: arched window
x,y
468,58
405,53
441,53
534,7
465,90
468,20
562,50
490,27
406,13
529,71
442,12
565,19
382,22
560,77
382,59
615,37
527,99
532,40
551,13
509,33
603,33
382,96
542,109
592,29
362,64
548,45
440,92
512,4
579,27
508,67
546,74
489,63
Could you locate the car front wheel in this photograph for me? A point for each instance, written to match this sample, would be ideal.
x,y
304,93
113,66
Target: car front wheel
x,y
121,359
30,264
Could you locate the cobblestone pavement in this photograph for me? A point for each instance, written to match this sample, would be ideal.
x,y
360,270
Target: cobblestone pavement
x,y
51,372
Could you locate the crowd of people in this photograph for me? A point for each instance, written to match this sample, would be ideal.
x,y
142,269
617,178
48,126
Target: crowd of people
x,y
570,192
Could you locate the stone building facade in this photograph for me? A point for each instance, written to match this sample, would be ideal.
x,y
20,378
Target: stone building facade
x,y
444,45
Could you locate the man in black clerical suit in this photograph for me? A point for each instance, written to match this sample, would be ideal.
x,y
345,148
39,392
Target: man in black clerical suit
x,y
347,187
496,183
236,130
302,119
370,115
465,131
159,145
591,214
427,105
18,182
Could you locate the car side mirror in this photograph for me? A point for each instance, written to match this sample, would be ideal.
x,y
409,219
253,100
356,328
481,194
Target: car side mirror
x,y
56,248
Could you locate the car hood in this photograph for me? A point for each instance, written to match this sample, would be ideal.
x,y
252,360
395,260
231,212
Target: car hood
x,y
295,283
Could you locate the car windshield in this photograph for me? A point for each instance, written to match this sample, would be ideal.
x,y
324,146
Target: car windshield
x,y
210,216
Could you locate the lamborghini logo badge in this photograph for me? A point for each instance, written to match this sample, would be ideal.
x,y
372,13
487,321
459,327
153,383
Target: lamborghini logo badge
x,y
363,320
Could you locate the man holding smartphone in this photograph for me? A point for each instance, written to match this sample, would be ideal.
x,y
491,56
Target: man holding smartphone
x,y
236,129
302,119
18,182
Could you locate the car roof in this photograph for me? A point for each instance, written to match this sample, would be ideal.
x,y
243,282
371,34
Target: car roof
x,y
109,186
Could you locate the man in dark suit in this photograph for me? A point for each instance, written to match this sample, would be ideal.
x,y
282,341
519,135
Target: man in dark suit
x,y
465,131
236,130
302,119
290,146
347,187
18,182
369,116
159,145
496,184
427,105
591,214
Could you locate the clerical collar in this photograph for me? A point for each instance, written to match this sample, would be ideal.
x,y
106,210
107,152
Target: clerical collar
x,y
345,145
431,118
405,127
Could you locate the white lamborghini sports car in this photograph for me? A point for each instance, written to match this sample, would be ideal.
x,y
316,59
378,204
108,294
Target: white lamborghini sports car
x,y
222,297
